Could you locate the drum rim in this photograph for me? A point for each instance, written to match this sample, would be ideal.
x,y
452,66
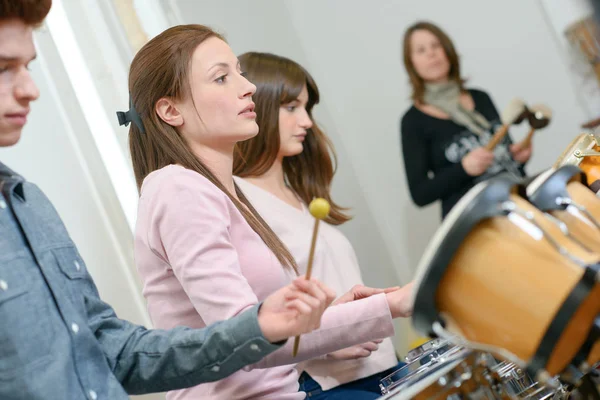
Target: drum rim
x,y
441,358
417,353
543,191
435,372
561,319
591,340
567,157
481,202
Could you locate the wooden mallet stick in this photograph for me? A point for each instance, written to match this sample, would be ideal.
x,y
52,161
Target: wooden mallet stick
x,y
511,114
319,208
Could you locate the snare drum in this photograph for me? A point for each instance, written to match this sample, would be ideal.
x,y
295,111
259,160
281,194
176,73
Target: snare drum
x,y
461,373
584,152
418,360
502,276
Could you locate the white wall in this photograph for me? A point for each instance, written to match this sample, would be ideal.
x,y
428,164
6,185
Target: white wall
x,y
353,50
359,67
560,14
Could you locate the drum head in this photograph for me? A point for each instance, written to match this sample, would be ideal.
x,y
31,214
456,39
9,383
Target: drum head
x,y
481,202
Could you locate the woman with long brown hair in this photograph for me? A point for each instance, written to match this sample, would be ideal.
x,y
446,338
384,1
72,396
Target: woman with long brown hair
x,y
280,171
445,128
202,250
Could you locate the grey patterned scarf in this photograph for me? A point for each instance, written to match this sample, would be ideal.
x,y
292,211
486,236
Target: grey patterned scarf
x,y
445,96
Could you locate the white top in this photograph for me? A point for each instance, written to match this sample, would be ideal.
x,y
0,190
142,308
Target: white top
x,y
335,264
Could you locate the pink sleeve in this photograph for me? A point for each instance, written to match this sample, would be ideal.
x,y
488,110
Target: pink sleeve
x,y
190,222
342,326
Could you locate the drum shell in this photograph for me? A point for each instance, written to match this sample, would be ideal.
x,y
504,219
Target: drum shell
x,y
497,296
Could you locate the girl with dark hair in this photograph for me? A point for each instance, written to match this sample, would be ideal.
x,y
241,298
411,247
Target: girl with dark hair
x,y
280,171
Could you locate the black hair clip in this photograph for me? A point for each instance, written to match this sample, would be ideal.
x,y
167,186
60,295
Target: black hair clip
x,y
130,116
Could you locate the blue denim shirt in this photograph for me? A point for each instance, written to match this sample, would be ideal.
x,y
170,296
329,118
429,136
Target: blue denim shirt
x,y
58,340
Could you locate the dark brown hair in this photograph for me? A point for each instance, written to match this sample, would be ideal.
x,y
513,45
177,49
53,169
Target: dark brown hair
x,y
279,81
161,69
416,81
31,12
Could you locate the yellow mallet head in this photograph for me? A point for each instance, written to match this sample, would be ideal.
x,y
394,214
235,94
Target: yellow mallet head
x,y
319,208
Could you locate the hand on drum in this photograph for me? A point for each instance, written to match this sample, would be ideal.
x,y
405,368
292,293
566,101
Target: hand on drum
x,y
521,154
354,352
362,292
477,161
401,300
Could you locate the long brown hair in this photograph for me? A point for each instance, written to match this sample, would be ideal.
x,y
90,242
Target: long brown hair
x,y
31,12
279,81
418,84
161,69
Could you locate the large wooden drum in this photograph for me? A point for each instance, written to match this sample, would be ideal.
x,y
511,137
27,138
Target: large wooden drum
x,y
499,273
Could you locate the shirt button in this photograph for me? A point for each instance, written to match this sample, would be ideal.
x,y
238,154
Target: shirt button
x,y
254,347
74,327
3,285
216,368
93,395
2,204
77,266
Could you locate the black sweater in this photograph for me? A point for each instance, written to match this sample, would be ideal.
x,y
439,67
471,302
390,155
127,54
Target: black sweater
x,y
433,149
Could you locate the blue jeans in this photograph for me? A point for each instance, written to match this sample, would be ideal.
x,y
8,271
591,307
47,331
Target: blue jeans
x,y
363,389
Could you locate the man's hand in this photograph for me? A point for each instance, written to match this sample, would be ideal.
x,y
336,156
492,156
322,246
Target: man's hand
x,y
294,309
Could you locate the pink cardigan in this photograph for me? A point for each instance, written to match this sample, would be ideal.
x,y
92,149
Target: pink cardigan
x,y
335,263
200,262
